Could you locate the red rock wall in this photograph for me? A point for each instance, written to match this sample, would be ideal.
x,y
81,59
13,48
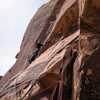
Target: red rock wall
x,y
35,29
63,27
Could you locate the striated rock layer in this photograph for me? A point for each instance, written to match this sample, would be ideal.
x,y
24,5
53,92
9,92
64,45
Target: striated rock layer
x,y
59,55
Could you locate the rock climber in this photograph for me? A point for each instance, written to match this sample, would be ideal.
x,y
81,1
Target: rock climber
x,y
35,54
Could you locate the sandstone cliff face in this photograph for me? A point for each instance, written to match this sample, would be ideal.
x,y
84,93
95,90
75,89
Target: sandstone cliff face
x,y
32,36
69,32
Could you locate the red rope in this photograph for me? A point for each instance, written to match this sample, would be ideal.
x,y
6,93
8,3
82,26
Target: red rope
x,y
58,92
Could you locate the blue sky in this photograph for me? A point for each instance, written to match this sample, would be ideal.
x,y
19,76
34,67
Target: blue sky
x,y
14,18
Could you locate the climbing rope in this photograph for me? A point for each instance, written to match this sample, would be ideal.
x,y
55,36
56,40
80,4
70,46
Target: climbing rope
x,y
14,90
44,90
58,91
